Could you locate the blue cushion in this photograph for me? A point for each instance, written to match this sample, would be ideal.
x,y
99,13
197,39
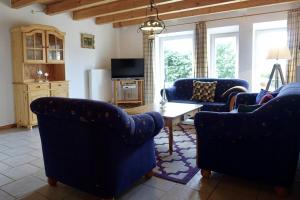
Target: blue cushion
x,y
260,95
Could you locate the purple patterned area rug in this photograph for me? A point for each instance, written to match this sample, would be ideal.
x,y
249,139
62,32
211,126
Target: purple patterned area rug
x,y
181,166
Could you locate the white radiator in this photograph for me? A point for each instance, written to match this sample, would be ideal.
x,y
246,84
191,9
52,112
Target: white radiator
x,y
100,85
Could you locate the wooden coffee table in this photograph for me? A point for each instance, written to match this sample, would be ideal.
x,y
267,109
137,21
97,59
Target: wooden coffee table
x,y
173,114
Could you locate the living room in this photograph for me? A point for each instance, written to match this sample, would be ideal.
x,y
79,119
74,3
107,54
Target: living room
x,y
248,29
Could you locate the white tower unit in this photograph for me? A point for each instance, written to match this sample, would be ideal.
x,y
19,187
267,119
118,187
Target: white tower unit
x,y
100,85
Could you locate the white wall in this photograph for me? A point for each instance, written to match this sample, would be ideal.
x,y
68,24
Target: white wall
x,y
78,60
129,35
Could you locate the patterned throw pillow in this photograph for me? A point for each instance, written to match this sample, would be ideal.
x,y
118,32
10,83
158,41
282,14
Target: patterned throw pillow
x,y
204,91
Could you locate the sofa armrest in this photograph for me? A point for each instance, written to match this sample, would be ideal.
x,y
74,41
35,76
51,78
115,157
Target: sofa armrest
x,y
170,93
245,98
143,128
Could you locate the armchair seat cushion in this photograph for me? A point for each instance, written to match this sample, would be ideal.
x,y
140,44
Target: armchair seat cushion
x,y
248,108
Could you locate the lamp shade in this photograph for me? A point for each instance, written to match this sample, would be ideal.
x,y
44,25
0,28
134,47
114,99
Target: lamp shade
x,y
279,53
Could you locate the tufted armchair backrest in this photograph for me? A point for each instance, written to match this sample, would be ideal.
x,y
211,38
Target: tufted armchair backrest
x,y
290,89
184,87
285,106
84,111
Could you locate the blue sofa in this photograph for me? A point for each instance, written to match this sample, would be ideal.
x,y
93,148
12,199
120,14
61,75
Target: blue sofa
x,y
182,91
95,146
262,145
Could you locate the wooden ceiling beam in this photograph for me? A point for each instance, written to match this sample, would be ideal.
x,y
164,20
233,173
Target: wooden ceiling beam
x,y
207,10
115,7
186,5
70,5
22,3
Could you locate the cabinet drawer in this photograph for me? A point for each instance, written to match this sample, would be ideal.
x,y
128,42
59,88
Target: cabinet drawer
x,y
60,93
38,86
57,85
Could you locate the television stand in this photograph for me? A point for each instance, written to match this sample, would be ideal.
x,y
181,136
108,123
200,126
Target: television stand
x,y
129,92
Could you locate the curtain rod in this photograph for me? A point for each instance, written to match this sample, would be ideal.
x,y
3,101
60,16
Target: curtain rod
x,y
219,19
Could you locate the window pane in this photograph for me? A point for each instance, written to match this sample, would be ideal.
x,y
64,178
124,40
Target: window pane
x,y
38,54
29,41
265,40
30,54
52,41
225,57
38,40
178,59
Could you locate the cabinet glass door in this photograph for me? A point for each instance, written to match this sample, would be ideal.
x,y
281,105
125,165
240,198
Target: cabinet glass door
x,y
34,51
55,51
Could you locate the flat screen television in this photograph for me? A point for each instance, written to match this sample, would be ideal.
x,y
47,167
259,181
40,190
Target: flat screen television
x,y
127,68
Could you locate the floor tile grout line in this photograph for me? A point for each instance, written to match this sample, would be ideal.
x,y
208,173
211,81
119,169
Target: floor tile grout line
x,y
7,177
8,193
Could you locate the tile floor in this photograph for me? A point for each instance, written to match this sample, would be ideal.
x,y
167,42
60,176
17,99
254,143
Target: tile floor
x,y
22,177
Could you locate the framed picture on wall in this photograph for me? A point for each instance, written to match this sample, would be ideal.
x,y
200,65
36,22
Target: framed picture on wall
x,y
87,41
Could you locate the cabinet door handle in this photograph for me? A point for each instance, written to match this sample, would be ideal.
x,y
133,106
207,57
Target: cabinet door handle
x,y
59,84
38,86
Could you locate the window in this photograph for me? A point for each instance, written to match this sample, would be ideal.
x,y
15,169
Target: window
x,y
267,35
174,60
176,56
223,48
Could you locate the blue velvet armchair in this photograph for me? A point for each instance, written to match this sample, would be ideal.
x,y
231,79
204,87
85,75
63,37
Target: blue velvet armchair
x,y
262,145
182,91
95,146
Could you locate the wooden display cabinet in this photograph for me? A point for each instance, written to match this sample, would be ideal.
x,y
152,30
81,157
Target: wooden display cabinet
x,y
36,47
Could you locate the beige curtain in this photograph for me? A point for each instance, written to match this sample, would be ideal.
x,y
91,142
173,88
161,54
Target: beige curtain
x,y
148,49
293,29
201,70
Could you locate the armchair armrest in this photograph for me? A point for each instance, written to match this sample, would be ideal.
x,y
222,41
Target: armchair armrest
x,y
224,125
229,104
170,93
143,127
245,98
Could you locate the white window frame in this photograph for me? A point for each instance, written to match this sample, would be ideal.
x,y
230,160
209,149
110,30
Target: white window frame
x,y
213,37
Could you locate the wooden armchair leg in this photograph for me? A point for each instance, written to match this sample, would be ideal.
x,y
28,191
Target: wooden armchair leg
x,y
281,191
205,173
149,175
52,182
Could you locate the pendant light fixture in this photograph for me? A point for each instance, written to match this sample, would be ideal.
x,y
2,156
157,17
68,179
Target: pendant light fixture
x,y
153,25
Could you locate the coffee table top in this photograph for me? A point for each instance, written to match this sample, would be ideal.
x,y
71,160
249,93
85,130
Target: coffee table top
x,y
171,110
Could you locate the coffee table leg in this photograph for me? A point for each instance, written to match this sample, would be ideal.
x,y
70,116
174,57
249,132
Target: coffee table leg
x,y
170,127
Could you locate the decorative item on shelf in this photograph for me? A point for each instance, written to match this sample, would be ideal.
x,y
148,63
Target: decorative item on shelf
x,y
277,53
39,75
153,25
163,100
46,75
87,41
